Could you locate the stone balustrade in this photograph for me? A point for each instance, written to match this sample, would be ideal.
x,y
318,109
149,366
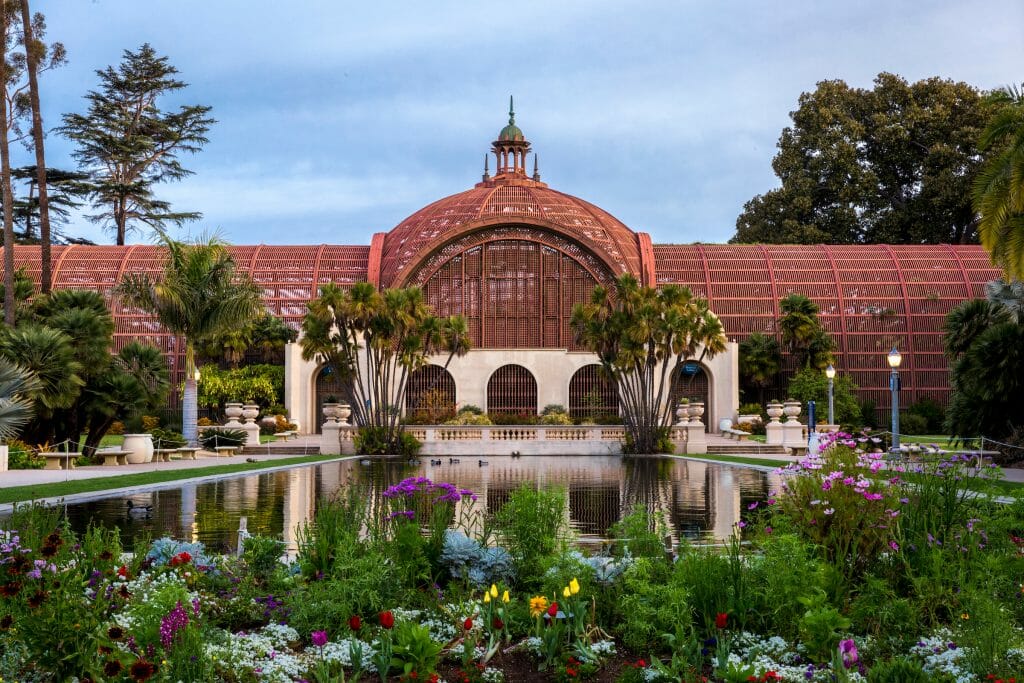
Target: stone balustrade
x,y
472,440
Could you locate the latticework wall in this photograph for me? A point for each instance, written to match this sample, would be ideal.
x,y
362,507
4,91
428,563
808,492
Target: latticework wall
x,y
514,293
430,388
591,394
512,390
871,297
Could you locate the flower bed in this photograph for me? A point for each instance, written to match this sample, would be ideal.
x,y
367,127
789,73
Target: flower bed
x,y
857,569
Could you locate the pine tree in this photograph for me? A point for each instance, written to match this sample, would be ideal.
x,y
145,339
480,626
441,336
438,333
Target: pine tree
x,y
128,144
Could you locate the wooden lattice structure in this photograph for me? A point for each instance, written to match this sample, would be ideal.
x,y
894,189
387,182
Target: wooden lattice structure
x,y
512,390
430,388
591,394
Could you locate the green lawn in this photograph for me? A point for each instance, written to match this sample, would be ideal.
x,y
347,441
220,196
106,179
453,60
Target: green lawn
x,y
741,460
17,494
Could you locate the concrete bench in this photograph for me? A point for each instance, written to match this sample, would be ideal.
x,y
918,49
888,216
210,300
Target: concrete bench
x,y
163,454
226,451
737,434
114,456
60,461
284,436
188,452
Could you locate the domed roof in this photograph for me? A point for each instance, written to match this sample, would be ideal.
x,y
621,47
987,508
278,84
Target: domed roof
x,y
512,133
514,202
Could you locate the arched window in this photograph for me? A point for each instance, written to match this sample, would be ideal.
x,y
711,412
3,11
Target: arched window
x,y
430,395
327,386
691,381
591,394
512,390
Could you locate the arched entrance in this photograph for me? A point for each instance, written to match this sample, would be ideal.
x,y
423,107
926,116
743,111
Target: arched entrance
x,y
693,382
327,386
512,390
591,394
430,395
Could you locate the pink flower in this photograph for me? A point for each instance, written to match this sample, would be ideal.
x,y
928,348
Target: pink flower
x,y
319,638
894,545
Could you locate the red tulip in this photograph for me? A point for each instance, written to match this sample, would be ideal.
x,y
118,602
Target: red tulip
x,y
468,624
553,610
355,623
498,624
387,619
721,620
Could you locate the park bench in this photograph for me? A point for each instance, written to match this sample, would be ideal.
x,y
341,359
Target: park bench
x,y
60,461
284,436
113,457
737,434
188,452
163,454
226,451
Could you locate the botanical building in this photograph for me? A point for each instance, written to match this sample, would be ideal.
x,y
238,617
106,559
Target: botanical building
x,y
514,256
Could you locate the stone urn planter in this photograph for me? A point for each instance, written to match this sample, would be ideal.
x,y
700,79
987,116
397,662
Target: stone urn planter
x,y
791,410
774,411
344,411
332,412
250,412
233,411
696,411
140,447
682,413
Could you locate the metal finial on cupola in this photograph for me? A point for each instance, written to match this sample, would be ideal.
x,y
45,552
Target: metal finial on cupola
x,y
536,171
487,173
511,112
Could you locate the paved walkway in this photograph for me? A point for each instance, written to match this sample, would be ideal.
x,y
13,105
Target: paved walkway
x,y
310,445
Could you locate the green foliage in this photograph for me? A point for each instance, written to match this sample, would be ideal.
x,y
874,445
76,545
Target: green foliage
x,y
821,627
374,341
165,438
466,417
760,362
639,535
706,575
933,413
998,190
261,384
898,671
810,384
802,334
643,336
127,156
531,526
263,556
890,164
265,337
787,569
212,438
914,424
413,650
376,441
651,602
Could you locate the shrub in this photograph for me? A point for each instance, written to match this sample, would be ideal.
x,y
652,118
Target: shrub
x,y
211,438
513,419
933,413
21,456
553,408
281,424
751,409
531,526
913,424
898,671
466,559
651,603
164,438
263,556
204,422
810,384
556,418
116,428
374,441
470,408
468,417
149,423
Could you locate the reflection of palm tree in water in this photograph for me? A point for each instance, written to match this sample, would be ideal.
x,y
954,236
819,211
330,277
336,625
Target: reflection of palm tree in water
x,y
648,484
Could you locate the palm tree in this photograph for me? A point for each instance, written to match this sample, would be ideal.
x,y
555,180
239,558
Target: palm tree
x,y
998,191
200,294
16,383
760,361
965,323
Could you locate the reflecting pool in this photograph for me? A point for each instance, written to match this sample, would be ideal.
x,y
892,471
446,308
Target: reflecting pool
x,y
698,501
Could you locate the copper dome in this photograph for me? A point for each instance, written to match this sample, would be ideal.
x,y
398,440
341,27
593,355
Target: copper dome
x,y
507,202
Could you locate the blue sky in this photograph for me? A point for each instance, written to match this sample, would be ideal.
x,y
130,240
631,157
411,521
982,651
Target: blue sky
x,y
338,119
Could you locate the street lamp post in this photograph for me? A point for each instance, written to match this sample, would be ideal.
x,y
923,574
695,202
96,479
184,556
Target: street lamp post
x,y
830,372
895,358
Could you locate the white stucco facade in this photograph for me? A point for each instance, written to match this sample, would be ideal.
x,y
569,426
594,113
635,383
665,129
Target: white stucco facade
x,y
551,368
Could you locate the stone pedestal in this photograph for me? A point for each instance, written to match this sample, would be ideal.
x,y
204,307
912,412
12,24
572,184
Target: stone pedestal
x,y
793,435
696,439
3,458
773,433
252,431
330,438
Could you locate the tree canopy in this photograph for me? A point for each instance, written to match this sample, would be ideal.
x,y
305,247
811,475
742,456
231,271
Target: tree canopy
x,y
129,145
891,164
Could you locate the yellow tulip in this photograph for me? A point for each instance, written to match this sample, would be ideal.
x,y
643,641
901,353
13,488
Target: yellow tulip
x,y
494,591
566,592
487,597
505,598
574,586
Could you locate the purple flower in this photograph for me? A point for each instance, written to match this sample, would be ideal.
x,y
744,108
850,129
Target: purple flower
x,y
176,620
319,638
752,506
848,649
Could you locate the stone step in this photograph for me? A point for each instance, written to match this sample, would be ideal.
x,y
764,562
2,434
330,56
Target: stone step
x,y
282,449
